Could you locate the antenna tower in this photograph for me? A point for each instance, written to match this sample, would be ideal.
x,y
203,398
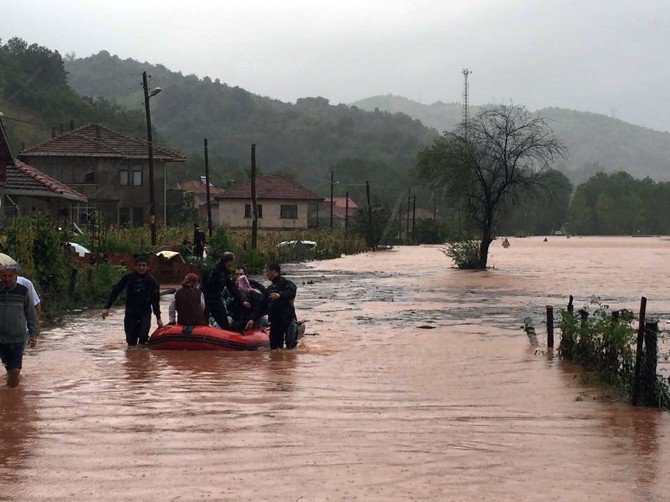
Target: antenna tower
x,y
465,72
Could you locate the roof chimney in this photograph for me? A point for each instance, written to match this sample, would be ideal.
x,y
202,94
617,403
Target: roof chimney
x,y
53,131
61,128
71,125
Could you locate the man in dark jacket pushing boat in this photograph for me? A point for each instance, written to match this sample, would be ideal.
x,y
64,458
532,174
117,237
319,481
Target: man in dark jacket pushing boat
x,y
215,281
281,312
142,295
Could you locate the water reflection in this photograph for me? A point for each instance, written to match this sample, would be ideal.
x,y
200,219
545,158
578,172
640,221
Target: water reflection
x,y
17,439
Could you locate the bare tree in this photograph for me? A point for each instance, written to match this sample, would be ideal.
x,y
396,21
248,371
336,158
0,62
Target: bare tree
x,y
496,159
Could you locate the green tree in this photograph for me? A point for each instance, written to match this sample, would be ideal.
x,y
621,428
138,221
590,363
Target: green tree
x,y
490,163
384,226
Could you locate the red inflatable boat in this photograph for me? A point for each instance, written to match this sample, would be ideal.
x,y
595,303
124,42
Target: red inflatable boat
x,y
176,337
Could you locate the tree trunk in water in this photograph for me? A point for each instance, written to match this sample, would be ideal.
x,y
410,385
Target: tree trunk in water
x,y
484,248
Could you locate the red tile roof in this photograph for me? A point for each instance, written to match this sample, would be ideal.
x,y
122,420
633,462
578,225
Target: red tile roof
x,y
272,186
199,187
339,202
94,140
23,179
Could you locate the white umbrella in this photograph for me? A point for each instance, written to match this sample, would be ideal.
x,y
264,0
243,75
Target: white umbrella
x,y
7,261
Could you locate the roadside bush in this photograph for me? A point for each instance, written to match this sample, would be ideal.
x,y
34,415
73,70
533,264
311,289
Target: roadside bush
x,y
92,284
253,260
465,253
605,345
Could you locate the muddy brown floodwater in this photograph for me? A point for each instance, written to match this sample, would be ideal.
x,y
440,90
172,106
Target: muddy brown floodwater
x,y
374,405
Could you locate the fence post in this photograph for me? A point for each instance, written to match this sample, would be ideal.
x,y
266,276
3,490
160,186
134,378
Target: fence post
x,y
550,326
638,353
649,396
584,316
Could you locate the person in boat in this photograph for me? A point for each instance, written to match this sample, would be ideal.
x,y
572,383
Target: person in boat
x,y
281,312
142,295
216,281
16,311
185,248
187,307
254,293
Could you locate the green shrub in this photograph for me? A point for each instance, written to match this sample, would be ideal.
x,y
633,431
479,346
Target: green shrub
x,y
93,283
219,243
253,260
465,253
605,345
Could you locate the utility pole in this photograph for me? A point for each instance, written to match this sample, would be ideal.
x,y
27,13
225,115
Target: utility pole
x,y
332,186
152,201
409,196
209,201
414,219
371,234
254,208
346,217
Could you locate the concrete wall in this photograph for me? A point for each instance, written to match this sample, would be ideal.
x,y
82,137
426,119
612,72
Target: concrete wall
x,y
232,214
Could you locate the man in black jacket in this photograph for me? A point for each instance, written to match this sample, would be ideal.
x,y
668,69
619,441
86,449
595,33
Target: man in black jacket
x,y
281,312
142,294
215,281
199,241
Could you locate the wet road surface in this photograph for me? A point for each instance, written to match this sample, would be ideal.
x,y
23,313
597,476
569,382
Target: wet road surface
x,y
414,383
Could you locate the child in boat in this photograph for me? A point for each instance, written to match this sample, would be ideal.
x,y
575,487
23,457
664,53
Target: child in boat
x,y
142,295
187,307
254,293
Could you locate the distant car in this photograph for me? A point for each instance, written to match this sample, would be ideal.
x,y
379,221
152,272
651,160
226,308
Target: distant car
x,y
78,248
289,244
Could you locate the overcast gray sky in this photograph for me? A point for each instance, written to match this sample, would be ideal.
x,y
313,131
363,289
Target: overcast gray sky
x,y
605,56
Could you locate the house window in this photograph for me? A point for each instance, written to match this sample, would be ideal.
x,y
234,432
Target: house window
x,y
131,176
248,213
138,216
137,176
89,175
288,212
124,217
85,215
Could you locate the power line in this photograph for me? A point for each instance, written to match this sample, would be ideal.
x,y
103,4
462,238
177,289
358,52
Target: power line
x,y
41,124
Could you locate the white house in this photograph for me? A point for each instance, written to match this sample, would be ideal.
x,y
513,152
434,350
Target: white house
x,y
282,204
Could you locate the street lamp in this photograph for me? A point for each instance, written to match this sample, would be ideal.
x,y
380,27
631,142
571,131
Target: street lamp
x,y
152,202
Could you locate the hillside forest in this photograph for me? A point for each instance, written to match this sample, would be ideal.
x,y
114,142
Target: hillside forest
x,y
40,89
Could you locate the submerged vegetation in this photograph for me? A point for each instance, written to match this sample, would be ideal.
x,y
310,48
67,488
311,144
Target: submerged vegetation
x,y
604,344
465,253
45,258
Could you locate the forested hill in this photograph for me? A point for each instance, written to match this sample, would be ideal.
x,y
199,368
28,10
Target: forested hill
x,y
34,96
307,139
595,142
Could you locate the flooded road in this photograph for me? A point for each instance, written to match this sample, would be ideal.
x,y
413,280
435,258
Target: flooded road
x,y
415,382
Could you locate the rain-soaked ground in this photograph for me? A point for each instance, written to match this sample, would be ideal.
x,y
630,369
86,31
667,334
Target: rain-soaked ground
x,y
416,382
